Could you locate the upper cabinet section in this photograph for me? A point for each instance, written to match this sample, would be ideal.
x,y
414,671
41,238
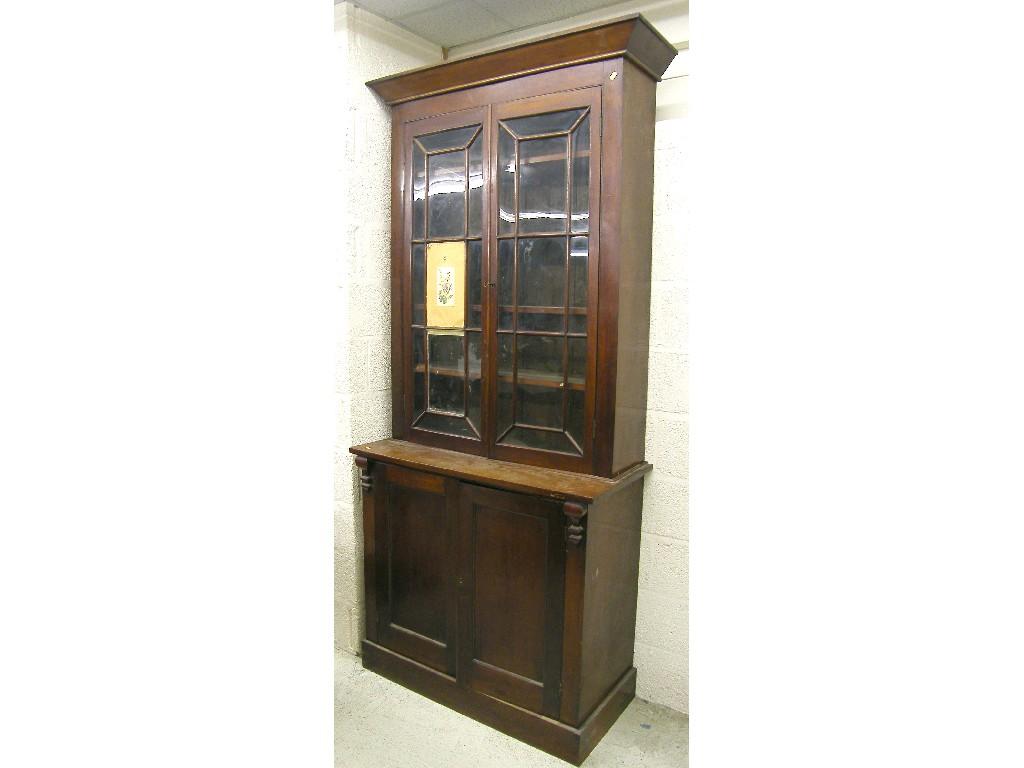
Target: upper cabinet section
x,y
521,225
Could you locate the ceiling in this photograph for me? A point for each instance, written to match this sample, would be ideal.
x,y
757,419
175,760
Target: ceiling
x,y
448,23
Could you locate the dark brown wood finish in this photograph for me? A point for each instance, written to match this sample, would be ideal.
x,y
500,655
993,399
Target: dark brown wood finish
x,y
610,592
512,566
572,640
502,581
399,314
621,206
636,210
415,578
632,37
367,471
590,99
410,130
504,475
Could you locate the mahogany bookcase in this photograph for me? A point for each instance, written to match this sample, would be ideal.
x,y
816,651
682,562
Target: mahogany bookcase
x,y
502,520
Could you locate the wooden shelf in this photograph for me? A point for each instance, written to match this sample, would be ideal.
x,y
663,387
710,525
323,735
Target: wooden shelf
x,y
551,158
552,380
538,310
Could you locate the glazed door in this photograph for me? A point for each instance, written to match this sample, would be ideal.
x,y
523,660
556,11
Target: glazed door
x,y
444,194
544,258
511,591
415,530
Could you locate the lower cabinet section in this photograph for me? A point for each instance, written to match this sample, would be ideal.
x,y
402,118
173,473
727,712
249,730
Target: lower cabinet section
x,y
514,608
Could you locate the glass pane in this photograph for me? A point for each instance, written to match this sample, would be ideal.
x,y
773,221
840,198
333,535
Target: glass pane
x,y
446,214
452,425
545,440
552,122
574,417
473,406
474,283
540,358
506,182
581,177
419,183
541,321
473,343
577,323
505,354
418,356
578,272
539,406
446,352
504,420
446,390
505,275
577,360
542,272
419,392
476,185
542,185
419,289
454,138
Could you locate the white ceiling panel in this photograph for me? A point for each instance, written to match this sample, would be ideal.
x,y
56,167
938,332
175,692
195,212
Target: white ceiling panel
x,y
449,23
392,9
454,23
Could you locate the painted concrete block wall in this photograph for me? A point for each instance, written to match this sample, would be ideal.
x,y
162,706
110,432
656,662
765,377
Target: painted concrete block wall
x,y
661,652
369,47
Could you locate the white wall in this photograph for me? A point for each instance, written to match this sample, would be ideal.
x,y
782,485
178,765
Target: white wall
x,y
371,48
662,624
368,47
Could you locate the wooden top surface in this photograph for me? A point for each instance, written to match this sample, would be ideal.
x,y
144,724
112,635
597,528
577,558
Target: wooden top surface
x,y
522,478
631,37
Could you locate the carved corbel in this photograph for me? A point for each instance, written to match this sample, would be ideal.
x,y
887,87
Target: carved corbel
x,y
574,528
365,475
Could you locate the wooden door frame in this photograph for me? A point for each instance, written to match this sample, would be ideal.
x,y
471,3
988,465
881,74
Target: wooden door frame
x,y
589,97
401,277
439,655
516,689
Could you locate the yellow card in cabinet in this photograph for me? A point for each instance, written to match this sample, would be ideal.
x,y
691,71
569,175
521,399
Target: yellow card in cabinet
x,y
446,284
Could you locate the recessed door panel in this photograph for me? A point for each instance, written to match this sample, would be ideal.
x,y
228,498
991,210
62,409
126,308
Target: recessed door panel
x,y
510,559
415,569
510,608
417,561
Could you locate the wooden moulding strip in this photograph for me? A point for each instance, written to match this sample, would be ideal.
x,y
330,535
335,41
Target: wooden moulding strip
x,y
631,37
521,478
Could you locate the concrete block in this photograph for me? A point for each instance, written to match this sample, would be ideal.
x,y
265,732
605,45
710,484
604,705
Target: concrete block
x,y
662,620
667,446
667,382
664,565
666,505
663,677
669,323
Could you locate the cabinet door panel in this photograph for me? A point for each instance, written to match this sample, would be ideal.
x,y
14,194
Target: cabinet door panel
x,y
545,268
511,600
444,246
415,572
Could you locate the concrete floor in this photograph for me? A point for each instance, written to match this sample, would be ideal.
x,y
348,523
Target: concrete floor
x,y
378,724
